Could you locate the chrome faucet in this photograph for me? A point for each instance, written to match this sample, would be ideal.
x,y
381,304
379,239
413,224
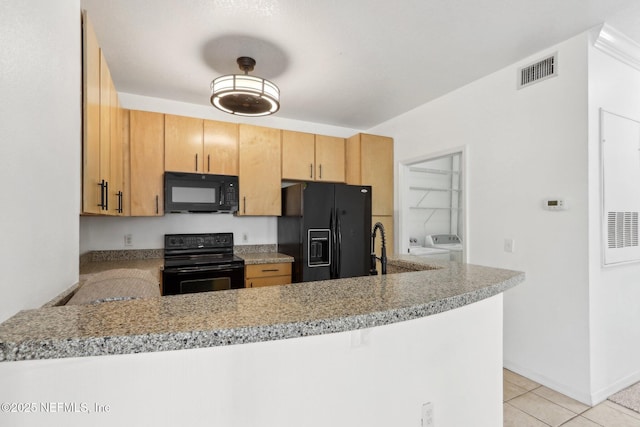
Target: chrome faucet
x,y
383,250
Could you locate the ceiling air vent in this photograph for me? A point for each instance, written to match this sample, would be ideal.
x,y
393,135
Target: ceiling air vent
x,y
622,229
538,71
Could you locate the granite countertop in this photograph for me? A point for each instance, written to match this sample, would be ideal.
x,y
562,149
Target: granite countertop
x,y
251,315
264,258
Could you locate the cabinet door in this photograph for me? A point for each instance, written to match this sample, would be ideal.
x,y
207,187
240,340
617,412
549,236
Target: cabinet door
x,y
267,274
183,144
146,144
377,171
259,167
105,133
330,155
90,118
123,129
298,155
220,148
116,180
258,282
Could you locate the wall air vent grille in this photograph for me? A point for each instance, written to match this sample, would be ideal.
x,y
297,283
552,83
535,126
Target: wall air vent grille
x,y
538,71
622,229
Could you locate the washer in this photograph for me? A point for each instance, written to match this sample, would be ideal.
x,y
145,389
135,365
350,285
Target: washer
x,y
449,242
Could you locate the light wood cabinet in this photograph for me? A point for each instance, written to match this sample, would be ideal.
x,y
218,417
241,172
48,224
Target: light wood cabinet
x,y
117,191
102,169
309,157
183,141
330,158
200,146
257,275
91,191
105,133
370,162
220,153
298,155
259,170
146,163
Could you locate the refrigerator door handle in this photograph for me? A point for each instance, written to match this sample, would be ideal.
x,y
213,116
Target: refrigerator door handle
x,y
338,244
334,247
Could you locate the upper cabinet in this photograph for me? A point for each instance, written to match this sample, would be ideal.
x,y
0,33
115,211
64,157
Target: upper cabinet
x,y
116,151
259,167
91,192
183,144
309,157
298,155
102,184
200,146
330,158
220,153
370,162
146,163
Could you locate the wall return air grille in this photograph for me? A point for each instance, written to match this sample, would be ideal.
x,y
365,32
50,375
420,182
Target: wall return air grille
x,y
539,71
622,229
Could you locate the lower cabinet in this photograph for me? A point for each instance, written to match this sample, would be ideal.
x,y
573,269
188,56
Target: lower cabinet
x,y
267,274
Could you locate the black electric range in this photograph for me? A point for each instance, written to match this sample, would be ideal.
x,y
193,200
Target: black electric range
x,y
200,263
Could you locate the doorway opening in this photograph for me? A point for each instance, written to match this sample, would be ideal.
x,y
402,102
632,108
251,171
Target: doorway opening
x,y
432,200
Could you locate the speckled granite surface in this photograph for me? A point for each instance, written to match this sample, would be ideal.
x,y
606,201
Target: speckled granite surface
x,y
249,315
254,249
264,258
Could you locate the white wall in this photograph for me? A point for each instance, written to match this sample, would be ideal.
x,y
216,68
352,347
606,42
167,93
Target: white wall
x,y
614,291
523,146
39,150
325,380
102,233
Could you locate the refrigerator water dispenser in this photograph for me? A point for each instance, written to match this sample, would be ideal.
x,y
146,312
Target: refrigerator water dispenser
x,y
319,247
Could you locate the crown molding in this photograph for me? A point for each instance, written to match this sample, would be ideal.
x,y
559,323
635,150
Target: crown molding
x,y
619,46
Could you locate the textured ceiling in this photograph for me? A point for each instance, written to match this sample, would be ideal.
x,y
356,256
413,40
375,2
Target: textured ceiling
x,y
350,63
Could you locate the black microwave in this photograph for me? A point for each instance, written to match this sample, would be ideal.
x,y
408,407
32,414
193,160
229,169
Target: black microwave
x,y
195,192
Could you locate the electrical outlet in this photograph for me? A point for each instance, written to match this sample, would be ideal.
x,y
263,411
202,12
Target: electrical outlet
x,y
509,245
360,338
245,237
427,415
128,239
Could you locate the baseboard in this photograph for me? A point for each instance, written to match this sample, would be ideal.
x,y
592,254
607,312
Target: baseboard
x,y
587,398
580,396
619,385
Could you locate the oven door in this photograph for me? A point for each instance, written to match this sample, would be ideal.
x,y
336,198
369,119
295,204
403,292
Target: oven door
x,y
185,280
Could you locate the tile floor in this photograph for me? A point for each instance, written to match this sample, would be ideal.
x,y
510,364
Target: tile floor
x,y
529,404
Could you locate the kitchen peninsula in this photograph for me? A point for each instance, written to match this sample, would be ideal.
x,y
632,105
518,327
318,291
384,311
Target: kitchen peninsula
x,y
313,346
250,315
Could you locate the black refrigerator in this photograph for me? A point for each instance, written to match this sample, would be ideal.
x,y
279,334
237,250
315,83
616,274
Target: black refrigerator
x,y
326,228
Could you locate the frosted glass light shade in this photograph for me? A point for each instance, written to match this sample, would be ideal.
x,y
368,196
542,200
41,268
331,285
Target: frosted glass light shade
x,y
245,95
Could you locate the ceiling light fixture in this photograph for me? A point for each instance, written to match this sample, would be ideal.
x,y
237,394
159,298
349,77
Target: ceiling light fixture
x,y
245,95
